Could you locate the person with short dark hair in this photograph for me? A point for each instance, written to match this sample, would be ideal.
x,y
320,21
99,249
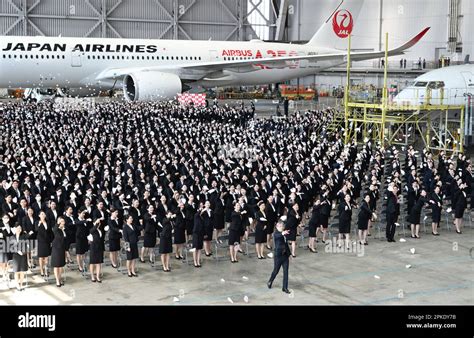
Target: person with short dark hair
x,y
20,259
58,252
365,214
130,237
260,230
115,233
44,237
281,255
393,211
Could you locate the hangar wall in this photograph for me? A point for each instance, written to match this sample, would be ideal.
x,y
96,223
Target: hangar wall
x,y
160,19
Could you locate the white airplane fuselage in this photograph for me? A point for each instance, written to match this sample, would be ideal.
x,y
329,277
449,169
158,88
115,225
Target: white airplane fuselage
x,y
48,62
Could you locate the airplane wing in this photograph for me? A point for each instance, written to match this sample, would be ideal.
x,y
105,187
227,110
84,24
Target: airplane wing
x,y
196,71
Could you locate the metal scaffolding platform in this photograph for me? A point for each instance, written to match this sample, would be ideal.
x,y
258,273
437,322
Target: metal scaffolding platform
x,y
440,127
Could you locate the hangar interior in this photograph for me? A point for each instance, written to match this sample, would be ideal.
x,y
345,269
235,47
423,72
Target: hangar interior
x,y
362,93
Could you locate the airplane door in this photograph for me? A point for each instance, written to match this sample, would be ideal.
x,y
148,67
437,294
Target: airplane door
x,y
469,78
76,60
214,55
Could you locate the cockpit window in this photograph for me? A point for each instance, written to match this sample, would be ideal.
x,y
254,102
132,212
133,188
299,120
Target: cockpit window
x,y
421,84
436,85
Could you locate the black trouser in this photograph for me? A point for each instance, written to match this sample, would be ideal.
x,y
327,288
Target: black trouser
x,y
278,262
390,230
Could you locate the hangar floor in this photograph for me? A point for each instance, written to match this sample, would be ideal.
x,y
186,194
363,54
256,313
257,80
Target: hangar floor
x,y
441,271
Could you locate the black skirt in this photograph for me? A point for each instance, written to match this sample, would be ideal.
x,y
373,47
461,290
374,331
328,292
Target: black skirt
x,y
234,237
44,249
82,245
189,226
344,228
133,253
179,236
292,235
270,228
197,242
260,235
149,241
414,218
312,230
20,263
166,246
114,245
68,241
459,213
96,257
58,259
436,216
324,222
208,232
219,222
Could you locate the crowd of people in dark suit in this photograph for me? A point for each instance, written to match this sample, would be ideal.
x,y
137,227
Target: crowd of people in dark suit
x,y
133,177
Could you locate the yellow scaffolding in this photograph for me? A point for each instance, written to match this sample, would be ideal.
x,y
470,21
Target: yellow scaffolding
x,y
441,127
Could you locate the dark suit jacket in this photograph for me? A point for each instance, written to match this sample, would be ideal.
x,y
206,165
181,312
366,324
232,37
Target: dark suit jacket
x,y
281,245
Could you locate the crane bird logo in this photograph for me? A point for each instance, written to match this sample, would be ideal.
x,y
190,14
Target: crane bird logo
x,y
342,23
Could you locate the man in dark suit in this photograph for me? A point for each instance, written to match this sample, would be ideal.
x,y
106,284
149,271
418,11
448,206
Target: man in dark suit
x,y
281,256
393,211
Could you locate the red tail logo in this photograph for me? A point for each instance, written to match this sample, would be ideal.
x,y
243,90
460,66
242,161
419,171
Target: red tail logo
x,y
342,23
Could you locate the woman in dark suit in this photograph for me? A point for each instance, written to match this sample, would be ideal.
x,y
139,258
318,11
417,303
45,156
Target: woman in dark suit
x,y
415,214
130,236
96,257
28,224
180,230
313,224
219,216
345,216
207,216
166,241
20,258
115,233
325,213
292,223
436,204
365,214
5,232
198,237
45,238
82,227
235,231
460,207
150,225
58,253
260,230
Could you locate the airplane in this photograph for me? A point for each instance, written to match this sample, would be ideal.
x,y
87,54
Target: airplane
x,y
160,69
445,86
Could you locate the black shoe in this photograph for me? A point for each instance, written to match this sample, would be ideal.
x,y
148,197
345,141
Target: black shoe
x,y
435,234
458,232
413,236
130,275
197,266
240,251
115,266
366,243
313,251
181,257
99,280
134,275
389,240
141,260
268,247
93,280
417,237
80,270
58,285
285,290
269,284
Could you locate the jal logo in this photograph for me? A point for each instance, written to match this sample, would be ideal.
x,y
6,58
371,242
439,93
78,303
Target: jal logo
x,y
342,23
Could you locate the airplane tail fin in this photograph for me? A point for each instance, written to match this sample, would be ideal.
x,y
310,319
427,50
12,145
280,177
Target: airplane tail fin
x,y
334,32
